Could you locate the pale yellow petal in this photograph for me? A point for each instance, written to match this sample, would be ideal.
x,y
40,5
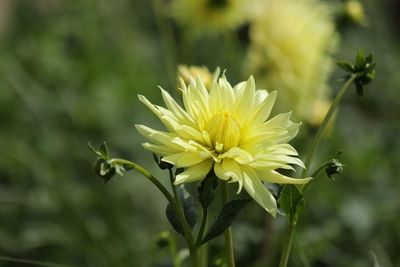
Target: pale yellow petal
x,y
185,159
246,100
275,177
158,137
161,150
264,110
229,170
239,155
255,188
194,173
222,97
171,104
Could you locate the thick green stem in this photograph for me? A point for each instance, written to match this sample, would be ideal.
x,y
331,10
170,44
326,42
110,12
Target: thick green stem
x,y
288,245
203,220
228,232
187,232
325,123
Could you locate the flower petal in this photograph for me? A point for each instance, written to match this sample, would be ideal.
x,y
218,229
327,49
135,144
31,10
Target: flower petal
x,y
194,173
255,188
275,177
246,100
185,159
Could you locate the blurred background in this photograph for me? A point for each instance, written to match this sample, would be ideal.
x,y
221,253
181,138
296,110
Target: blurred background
x,y
70,72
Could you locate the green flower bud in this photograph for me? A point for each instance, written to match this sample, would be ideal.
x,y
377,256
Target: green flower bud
x,y
363,68
334,167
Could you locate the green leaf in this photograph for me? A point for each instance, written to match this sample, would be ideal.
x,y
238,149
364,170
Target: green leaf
x,y
225,218
360,59
291,201
94,150
104,150
189,210
206,190
345,65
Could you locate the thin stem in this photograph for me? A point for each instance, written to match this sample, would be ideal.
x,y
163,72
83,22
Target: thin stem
x,y
147,174
174,253
185,227
323,165
292,226
287,246
228,232
204,214
325,123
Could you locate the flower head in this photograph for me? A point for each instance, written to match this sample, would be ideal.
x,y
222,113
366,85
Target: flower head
x,y
290,45
209,16
186,73
227,131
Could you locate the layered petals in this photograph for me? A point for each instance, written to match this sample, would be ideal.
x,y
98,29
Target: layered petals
x,y
226,130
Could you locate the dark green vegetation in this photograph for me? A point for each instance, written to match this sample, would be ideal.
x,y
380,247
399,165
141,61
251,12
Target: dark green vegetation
x,y
70,72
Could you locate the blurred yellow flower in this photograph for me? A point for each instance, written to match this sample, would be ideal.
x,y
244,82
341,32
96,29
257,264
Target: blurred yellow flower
x,y
290,45
354,10
225,130
186,73
209,16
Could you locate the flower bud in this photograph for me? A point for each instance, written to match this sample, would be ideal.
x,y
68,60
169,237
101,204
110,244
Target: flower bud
x,y
334,167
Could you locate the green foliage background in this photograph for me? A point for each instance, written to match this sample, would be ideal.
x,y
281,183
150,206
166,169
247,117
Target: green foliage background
x,y
70,72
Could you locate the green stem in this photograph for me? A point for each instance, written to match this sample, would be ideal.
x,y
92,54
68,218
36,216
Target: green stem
x,y
287,246
228,232
292,226
185,227
174,201
323,165
204,214
325,123
174,253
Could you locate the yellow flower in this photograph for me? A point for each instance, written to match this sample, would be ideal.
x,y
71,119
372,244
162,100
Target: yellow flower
x,y
186,73
209,16
226,131
290,45
354,10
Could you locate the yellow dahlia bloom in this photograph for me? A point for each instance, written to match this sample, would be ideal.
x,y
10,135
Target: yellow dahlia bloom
x,y
187,73
226,130
290,45
209,16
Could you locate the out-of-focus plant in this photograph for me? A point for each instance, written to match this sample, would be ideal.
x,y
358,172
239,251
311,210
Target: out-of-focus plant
x,y
209,16
291,43
291,199
186,73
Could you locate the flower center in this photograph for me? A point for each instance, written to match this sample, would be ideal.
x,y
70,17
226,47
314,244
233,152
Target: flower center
x,y
224,131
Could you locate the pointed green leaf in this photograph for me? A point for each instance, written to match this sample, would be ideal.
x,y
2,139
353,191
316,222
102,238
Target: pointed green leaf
x,y
345,65
104,150
225,218
291,201
189,210
360,59
206,190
